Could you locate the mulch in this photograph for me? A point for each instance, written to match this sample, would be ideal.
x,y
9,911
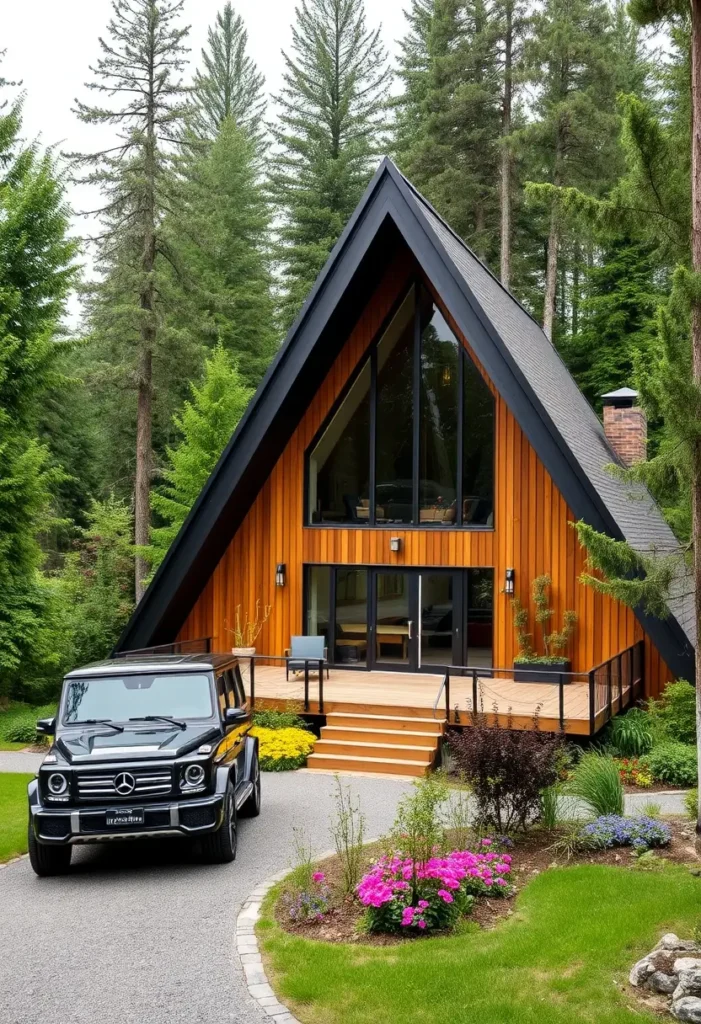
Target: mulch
x,y
532,854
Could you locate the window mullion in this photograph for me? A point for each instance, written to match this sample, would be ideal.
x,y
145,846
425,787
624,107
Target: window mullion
x,y
461,433
416,409
373,432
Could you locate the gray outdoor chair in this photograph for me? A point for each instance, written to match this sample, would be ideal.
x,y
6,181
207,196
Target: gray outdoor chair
x,y
306,648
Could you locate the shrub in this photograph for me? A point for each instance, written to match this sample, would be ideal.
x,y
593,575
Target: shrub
x,y
310,903
691,803
507,769
674,763
418,828
596,781
401,894
270,719
22,730
633,772
283,750
348,831
632,734
641,833
673,715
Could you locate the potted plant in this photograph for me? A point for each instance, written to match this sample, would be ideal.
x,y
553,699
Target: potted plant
x,y
247,629
554,665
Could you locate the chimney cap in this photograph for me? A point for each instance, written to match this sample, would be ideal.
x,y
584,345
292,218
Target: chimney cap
x,y
622,398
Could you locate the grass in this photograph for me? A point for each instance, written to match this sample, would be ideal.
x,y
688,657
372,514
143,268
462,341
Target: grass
x,y
13,814
562,956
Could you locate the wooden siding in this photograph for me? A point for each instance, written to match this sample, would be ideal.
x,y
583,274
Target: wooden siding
x,y
532,533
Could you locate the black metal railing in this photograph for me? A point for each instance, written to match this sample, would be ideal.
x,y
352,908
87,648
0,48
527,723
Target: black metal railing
x,y
615,684
312,667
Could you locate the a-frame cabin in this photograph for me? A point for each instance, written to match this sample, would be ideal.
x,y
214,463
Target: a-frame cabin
x,y
416,451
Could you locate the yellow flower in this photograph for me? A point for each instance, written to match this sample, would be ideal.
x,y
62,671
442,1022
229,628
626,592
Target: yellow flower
x,y
282,749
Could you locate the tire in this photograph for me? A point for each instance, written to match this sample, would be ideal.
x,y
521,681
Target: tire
x,y
220,847
47,860
251,808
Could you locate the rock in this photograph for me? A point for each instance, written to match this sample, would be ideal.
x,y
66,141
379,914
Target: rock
x,y
672,941
688,982
661,982
687,1009
641,971
686,963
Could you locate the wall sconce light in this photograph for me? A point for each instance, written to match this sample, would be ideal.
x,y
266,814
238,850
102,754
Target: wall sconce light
x,y
509,582
280,575
395,543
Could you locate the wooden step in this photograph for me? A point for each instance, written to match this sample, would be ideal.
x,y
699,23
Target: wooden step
x,y
354,763
383,736
413,724
375,749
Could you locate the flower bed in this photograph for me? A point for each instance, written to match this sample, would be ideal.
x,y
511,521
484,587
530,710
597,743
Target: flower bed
x,y
642,833
402,894
283,750
633,772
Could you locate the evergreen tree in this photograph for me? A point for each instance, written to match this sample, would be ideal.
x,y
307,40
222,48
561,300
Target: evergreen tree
x,y
222,240
332,110
413,70
35,275
205,427
137,75
230,85
573,139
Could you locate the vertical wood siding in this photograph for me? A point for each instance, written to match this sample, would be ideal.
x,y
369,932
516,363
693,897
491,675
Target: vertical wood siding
x,y
532,533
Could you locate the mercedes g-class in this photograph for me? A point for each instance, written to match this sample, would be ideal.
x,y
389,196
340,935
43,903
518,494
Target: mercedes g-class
x,y
145,745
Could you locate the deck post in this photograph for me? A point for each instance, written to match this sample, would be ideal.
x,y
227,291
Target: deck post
x,y
562,704
321,687
447,695
306,685
592,702
608,689
474,691
252,682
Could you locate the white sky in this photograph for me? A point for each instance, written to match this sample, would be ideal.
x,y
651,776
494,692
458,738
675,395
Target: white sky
x,y
51,43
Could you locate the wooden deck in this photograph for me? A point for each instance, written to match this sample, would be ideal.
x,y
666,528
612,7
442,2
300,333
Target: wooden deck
x,y
512,703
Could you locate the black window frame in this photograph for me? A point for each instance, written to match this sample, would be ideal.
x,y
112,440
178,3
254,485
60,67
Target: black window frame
x,y
370,354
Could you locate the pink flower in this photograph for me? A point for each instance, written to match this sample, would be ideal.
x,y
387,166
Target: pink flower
x,y
422,923
424,903
445,896
318,876
486,842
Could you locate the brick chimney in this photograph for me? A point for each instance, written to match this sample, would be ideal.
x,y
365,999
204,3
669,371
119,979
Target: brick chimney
x,y
625,425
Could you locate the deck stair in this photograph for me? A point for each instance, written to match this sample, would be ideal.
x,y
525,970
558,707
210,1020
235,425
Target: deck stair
x,y
380,744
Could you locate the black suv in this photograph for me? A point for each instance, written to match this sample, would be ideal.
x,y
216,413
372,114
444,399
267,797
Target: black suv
x,y
145,746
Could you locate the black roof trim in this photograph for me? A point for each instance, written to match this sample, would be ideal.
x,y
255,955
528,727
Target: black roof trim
x,y
256,444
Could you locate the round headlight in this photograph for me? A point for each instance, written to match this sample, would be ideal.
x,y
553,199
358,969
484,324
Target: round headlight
x,y
57,783
194,774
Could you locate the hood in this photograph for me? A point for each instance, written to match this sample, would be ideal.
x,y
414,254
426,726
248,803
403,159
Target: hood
x,y
140,741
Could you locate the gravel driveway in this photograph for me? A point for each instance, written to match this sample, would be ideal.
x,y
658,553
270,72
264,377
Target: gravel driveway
x,y
144,934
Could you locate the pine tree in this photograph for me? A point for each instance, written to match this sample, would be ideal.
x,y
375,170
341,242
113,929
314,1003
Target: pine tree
x,y
205,426
222,238
573,139
413,70
137,75
35,276
456,157
332,111
230,85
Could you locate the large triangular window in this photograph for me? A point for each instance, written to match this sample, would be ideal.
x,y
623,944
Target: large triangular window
x,y
411,442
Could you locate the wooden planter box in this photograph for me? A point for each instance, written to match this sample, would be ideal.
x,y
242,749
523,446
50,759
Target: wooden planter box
x,y
555,672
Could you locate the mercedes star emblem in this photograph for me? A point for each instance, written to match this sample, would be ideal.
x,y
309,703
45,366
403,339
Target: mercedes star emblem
x,y
125,783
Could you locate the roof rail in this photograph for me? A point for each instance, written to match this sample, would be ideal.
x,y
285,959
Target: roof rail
x,y
202,645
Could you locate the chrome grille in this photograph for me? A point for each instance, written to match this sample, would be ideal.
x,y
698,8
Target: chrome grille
x,y
100,785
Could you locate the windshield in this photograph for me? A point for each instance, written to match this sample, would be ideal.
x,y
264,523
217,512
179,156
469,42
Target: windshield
x,y
119,698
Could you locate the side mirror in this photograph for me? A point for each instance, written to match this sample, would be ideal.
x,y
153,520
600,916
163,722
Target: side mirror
x,y
46,726
234,715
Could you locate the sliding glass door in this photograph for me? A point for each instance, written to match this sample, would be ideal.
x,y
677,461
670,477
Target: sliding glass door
x,y
404,619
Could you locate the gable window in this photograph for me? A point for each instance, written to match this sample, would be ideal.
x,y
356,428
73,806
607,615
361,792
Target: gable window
x,y
412,440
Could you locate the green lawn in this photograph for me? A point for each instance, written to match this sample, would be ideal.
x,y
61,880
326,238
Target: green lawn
x,y
575,932
13,814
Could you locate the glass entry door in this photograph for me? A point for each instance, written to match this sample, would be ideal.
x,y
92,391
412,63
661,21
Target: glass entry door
x,y
394,619
415,619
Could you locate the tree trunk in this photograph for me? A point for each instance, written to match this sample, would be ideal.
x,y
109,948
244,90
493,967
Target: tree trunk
x,y
551,274
696,349
505,197
142,482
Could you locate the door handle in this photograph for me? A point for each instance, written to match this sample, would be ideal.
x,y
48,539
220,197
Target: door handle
x,y
411,632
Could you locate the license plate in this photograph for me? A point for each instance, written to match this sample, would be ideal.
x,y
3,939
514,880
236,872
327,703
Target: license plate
x,y
124,816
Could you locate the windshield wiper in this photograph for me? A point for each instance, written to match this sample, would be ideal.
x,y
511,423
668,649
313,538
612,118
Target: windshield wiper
x,y
159,718
99,721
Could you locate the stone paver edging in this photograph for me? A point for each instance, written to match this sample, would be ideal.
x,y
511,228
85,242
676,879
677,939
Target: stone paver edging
x,y
248,950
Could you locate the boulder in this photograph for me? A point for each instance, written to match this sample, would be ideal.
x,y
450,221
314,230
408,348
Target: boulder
x,y
687,1009
686,963
641,971
672,941
661,982
688,983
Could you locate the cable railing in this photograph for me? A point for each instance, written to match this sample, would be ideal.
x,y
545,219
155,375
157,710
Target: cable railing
x,y
311,667
615,684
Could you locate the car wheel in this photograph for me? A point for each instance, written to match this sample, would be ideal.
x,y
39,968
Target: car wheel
x,y
220,847
251,808
47,860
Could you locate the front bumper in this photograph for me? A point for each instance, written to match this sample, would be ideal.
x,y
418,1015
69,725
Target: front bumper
x,y
67,825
